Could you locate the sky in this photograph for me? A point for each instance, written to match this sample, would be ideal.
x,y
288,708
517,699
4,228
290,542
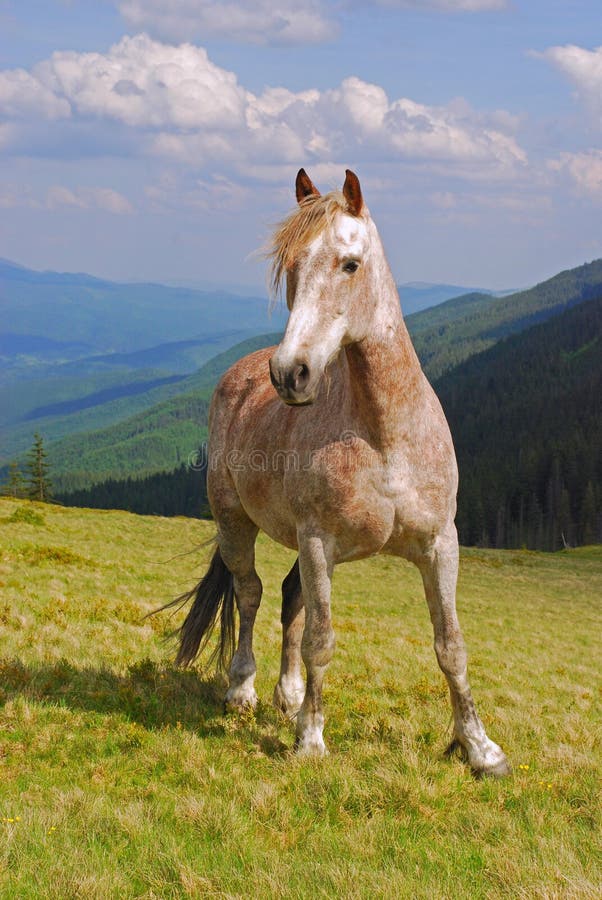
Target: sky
x,y
156,140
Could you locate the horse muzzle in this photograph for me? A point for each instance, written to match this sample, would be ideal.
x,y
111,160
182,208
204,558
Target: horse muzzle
x,y
294,384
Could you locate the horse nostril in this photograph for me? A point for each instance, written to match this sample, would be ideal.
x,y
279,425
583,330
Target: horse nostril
x,y
300,377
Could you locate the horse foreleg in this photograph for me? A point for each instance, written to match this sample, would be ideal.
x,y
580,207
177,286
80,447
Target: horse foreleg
x,y
439,569
288,694
317,645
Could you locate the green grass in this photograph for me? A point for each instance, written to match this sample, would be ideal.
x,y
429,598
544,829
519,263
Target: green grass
x,y
120,777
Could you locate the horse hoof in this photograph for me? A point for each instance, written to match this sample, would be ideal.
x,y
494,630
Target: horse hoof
x,y
238,699
288,705
309,741
310,748
491,764
498,768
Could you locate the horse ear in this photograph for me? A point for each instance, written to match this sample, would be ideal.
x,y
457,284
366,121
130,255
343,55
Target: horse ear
x,y
352,193
304,187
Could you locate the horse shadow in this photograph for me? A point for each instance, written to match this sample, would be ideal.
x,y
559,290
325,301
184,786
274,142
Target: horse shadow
x,y
153,696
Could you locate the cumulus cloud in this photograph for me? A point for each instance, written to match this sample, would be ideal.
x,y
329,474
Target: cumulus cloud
x,y
142,82
183,107
252,21
584,69
23,95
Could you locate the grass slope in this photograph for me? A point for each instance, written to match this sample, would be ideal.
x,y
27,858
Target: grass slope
x,y
120,777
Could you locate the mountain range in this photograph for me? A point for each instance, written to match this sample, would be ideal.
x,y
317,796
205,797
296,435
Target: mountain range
x,y
79,353
135,411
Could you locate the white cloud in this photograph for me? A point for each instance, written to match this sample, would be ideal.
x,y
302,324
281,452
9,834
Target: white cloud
x,y
251,21
181,106
22,95
585,170
267,21
584,69
142,82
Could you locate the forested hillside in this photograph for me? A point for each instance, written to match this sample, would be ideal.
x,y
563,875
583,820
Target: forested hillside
x,y
523,407
155,440
100,391
454,331
526,417
527,425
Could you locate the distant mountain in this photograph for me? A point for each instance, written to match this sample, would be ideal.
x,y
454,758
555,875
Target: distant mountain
x,y
13,346
121,318
64,316
123,395
416,296
459,328
159,438
526,418
446,335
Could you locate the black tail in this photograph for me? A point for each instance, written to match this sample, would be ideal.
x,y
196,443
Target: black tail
x,y
213,597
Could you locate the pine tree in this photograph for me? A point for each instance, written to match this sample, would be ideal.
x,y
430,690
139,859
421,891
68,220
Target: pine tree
x,y
40,486
15,486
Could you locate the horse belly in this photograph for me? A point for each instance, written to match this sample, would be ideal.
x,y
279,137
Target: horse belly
x,y
341,497
261,493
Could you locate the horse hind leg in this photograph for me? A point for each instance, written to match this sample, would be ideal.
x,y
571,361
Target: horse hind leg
x,y
289,692
439,570
237,547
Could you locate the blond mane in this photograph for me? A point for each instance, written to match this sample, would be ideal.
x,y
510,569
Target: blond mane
x,y
295,232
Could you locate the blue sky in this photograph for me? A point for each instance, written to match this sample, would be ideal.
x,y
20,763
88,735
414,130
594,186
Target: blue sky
x,y
144,139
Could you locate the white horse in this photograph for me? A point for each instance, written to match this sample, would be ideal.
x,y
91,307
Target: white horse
x,y
334,444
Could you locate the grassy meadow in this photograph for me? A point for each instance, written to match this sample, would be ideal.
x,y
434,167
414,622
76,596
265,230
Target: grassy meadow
x,y
120,777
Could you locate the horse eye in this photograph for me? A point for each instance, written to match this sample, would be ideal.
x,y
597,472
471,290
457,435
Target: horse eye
x,y
350,266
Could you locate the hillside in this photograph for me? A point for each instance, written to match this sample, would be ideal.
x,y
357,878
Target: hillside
x,y
446,335
526,417
416,296
121,776
526,420
110,317
99,390
159,439
76,424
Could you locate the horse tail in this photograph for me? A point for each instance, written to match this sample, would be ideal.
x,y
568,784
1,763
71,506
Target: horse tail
x,y
213,598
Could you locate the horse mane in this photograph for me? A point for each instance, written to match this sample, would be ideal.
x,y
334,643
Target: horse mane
x,y
295,232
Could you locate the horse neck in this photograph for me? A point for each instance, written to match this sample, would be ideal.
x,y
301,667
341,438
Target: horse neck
x,y
385,375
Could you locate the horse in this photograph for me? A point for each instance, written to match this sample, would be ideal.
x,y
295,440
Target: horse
x,y
335,445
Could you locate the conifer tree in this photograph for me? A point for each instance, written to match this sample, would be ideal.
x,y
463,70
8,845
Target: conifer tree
x,y
14,486
40,486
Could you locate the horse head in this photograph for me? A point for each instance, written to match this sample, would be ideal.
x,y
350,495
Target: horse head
x,y
326,250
